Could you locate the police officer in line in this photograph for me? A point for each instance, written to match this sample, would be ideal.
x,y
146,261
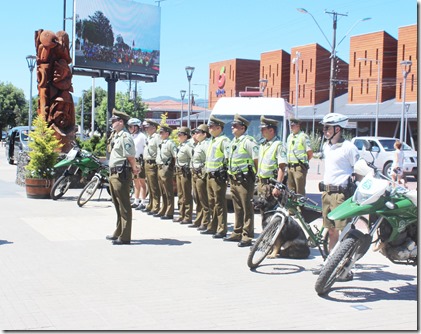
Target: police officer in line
x,y
183,176
165,159
299,153
272,159
151,168
201,136
216,170
242,154
122,163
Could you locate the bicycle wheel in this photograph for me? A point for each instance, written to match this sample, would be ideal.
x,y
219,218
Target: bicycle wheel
x,y
336,265
265,241
60,187
361,224
88,191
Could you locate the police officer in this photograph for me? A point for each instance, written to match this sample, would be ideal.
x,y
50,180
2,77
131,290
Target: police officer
x,y
199,179
151,168
272,158
165,158
299,153
216,170
122,157
242,154
183,176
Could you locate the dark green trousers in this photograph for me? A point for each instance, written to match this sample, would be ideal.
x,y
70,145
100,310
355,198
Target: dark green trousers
x,y
218,205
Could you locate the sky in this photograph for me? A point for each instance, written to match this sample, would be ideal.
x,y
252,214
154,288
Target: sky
x,y
199,32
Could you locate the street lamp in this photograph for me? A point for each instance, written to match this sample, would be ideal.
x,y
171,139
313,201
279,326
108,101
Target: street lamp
x,y
378,62
314,116
82,116
296,62
405,72
31,60
182,94
205,105
406,119
333,47
189,72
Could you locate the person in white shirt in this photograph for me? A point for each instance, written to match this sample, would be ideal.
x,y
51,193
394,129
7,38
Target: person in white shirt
x,y
397,165
340,157
139,179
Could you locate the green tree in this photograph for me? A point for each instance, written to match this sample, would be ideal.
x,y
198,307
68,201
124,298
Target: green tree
x,y
101,31
13,106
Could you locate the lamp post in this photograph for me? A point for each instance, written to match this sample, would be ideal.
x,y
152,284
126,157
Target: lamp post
x,y
31,60
406,119
405,72
182,94
296,62
378,62
314,116
189,72
205,104
333,46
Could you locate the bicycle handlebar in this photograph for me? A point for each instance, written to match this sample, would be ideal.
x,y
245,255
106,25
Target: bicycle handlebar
x,y
297,197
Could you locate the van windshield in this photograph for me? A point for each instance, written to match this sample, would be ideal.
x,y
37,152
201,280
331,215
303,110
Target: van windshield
x,y
253,129
388,145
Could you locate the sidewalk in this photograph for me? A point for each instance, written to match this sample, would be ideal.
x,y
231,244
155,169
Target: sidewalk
x,y
59,273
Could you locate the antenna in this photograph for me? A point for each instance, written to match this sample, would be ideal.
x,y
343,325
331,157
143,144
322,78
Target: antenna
x,y
159,2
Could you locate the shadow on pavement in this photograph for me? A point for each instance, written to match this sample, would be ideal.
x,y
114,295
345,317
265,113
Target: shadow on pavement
x,y
278,269
360,294
164,242
5,242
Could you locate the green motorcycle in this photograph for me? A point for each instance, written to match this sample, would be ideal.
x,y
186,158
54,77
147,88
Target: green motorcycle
x,y
79,163
395,226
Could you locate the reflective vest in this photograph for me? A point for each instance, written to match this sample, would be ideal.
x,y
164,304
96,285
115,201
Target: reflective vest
x,y
215,157
239,158
267,160
297,148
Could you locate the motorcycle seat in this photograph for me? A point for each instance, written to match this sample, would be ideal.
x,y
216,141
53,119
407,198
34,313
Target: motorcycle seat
x,y
412,196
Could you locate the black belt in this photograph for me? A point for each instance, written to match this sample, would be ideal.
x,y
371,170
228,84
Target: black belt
x,y
116,170
264,180
331,188
151,161
293,165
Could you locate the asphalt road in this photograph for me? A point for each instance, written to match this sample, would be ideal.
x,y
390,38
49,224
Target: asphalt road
x,y
59,273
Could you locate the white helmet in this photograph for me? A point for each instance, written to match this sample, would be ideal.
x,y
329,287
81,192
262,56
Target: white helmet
x,y
134,121
335,119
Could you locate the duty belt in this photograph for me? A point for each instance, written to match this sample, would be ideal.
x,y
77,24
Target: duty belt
x,y
264,180
331,188
115,170
293,165
151,161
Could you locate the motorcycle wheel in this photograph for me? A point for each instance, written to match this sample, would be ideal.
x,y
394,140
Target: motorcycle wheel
x,y
88,191
265,242
336,265
60,187
361,224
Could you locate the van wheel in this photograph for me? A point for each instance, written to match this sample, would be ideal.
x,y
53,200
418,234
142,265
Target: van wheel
x,y
387,170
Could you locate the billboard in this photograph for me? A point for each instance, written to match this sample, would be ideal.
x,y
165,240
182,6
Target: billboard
x,y
117,35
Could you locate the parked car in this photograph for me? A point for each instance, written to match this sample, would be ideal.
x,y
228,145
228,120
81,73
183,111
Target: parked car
x,y
383,152
17,140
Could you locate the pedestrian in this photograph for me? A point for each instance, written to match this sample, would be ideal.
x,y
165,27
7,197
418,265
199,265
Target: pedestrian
x,y
299,153
183,176
340,157
165,159
216,170
272,160
122,158
199,177
139,183
153,140
397,165
242,154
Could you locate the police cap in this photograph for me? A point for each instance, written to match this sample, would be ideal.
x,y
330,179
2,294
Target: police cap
x,y
165,128
215,121
240,120
184,130
148,122
267,122
294,121
119,115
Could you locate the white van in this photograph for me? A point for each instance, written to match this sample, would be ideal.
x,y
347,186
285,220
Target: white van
x,y
251,108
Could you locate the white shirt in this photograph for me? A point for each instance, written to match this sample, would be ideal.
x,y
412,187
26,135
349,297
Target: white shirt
x,y
340,159
398,159
139,142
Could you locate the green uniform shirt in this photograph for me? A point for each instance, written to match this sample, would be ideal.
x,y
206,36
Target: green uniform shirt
x,y
298,145
271,155
241,153
184,154
122,147
166,152
199,153
151,147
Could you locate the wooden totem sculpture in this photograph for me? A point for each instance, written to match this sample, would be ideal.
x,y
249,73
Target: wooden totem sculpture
x,y
54,78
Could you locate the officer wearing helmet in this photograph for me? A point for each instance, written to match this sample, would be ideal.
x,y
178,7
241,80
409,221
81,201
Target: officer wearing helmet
x,y
139,183
340,157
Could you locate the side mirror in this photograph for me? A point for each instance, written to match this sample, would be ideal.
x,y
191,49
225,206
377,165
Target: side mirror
x,y
375,149
367,145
